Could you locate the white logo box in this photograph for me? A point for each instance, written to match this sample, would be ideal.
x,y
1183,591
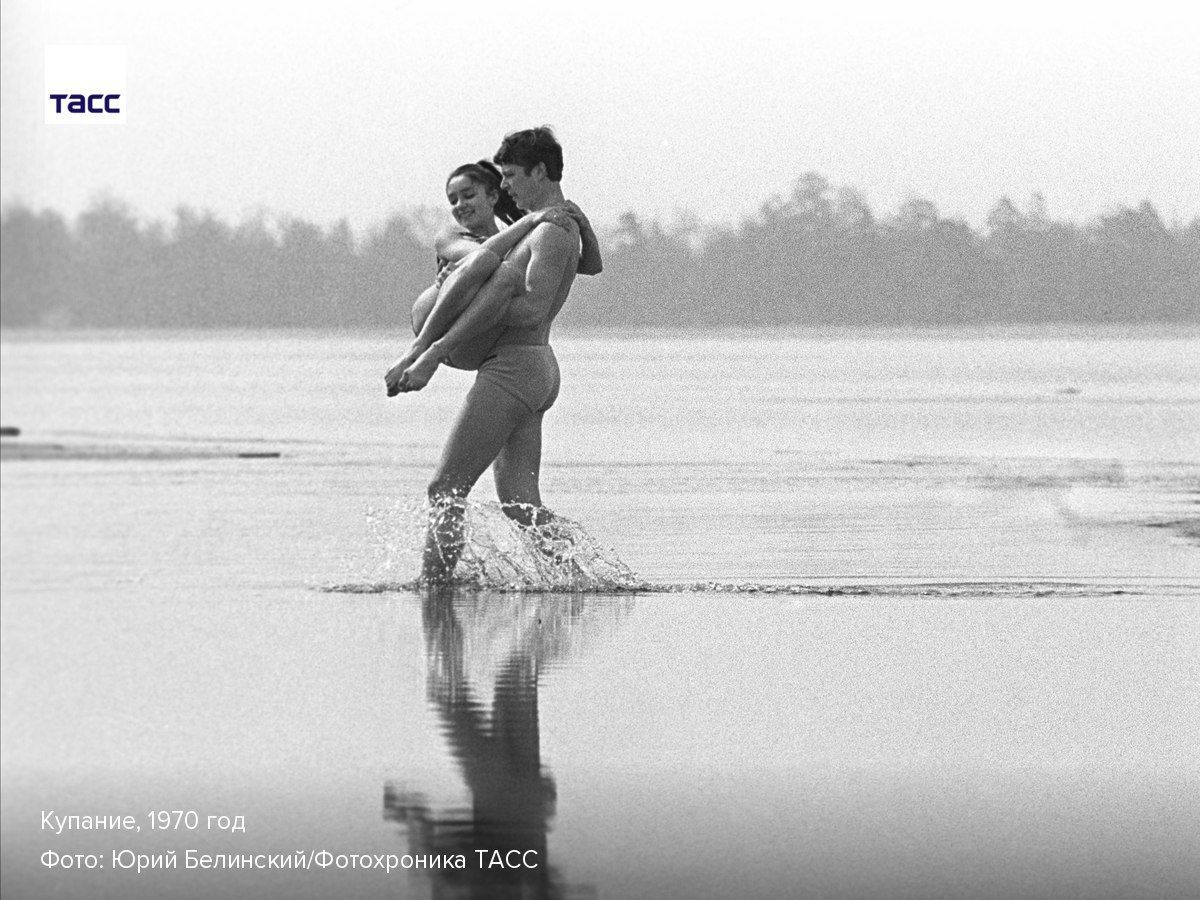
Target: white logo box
x,y
88,71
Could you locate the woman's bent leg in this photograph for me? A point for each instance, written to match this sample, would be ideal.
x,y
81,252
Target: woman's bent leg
x,y
487,420
484,315
457,292
422,306
435,310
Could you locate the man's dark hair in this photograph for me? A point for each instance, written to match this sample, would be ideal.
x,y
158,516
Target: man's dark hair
x,y
528,148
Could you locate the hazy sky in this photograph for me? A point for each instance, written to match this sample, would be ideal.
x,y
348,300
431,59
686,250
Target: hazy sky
x,y
356,109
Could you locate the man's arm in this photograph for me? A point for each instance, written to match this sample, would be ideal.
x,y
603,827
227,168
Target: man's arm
x,y
473,268
590,262
451,245
553,252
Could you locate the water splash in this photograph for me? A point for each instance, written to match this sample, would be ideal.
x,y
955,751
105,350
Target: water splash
x,y
498,555
396,536
502,557
557,556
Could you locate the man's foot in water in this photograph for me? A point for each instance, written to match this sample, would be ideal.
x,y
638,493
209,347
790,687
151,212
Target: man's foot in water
x,y
553,540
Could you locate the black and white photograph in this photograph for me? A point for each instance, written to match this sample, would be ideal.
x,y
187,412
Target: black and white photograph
x,y
599,451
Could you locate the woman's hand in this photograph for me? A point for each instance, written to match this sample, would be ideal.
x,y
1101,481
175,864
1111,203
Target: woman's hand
x,y
577,214
555,215
444,272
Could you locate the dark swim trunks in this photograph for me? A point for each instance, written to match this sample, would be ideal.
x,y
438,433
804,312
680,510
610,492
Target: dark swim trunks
x,y
528,372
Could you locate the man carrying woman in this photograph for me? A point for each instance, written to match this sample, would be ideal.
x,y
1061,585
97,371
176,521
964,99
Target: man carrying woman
x,y
524,275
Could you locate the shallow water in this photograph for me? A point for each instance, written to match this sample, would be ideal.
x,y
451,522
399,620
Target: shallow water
x,y
903,626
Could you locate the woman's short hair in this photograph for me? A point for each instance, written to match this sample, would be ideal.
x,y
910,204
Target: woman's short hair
x,y
487,175
528,148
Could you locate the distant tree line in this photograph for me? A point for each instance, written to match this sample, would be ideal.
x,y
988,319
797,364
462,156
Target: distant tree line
x,y
817,256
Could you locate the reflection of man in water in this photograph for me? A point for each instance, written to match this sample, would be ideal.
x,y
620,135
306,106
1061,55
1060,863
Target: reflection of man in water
x,y
500,758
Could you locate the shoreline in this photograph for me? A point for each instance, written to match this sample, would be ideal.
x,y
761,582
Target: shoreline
x,y
18,450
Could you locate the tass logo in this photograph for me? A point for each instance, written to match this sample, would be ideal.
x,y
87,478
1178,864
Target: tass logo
x,y
85,84
86,103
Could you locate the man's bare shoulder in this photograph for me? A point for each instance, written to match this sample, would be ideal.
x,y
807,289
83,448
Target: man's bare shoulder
x,y
549,242
551,238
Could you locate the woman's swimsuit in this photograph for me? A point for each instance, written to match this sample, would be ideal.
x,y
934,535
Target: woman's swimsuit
x,y
442,262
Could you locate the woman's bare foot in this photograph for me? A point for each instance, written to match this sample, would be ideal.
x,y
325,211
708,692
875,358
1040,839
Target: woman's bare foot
x,y
417,375
394,379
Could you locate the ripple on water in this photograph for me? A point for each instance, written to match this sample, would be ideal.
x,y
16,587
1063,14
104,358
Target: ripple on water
x,y
501,556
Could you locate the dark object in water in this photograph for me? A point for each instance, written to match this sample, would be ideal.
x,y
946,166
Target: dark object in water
x,y
257,454
9,431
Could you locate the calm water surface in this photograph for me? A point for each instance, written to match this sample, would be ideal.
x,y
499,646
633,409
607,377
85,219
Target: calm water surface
x,y
979,678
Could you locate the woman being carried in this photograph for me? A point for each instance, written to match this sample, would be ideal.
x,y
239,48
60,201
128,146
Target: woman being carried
x,y
467,256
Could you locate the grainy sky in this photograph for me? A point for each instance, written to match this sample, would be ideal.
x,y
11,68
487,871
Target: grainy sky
x,y
357,109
